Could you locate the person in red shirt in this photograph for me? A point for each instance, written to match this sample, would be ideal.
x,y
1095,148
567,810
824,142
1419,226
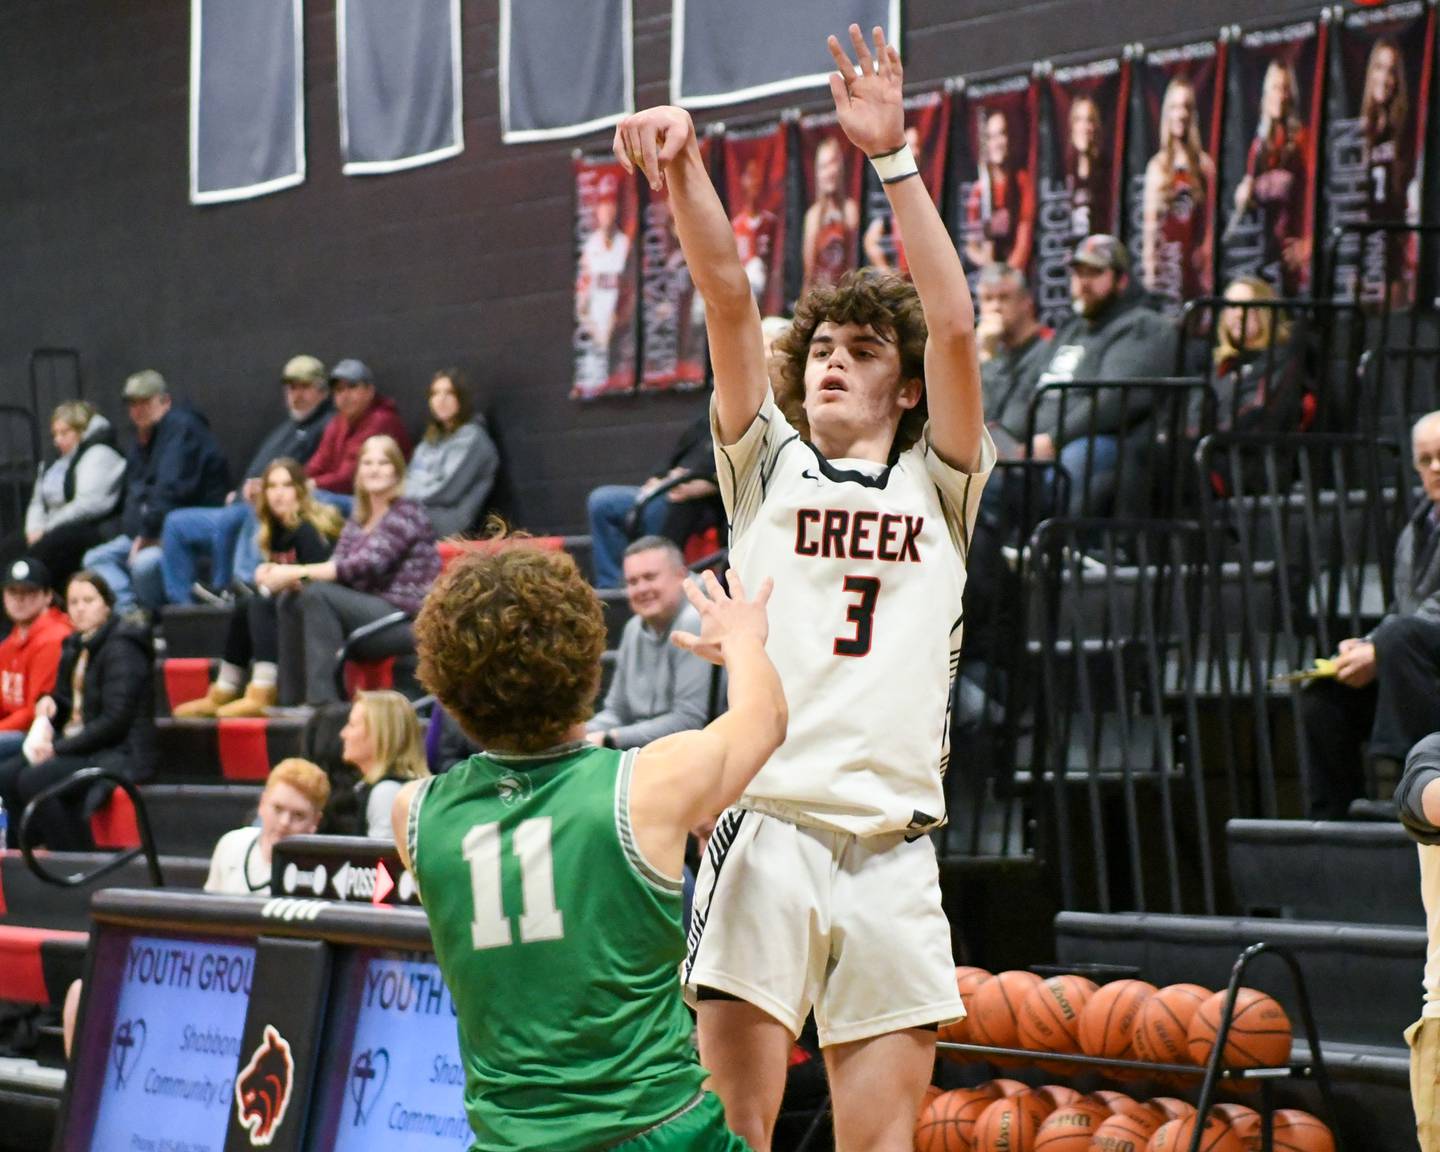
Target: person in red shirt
x,y
360,413
30,655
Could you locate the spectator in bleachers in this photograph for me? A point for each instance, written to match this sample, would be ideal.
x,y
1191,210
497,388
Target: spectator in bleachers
x,y
657,688
75,495
383,740
684,509
227,534
454,466
1015,348
360,413
294,799
1418,801
99,715
1112,336
385,561
1387,685
174,463
1259,372
294,529
30,654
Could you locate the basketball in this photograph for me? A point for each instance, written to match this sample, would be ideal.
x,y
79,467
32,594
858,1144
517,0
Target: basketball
x,y
1127,1132
1176,1135
1071,1128
1108,1020
1174,1108
1008,1125
931,1091
1005,1087
967,979
1050,1014
1244,1122
1259,1034
1297,1131
1121,1104
947,1123
995,1008
1162,1027
1035,1102
1058,1094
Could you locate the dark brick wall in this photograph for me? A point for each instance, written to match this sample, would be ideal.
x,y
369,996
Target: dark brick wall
x,y
468,261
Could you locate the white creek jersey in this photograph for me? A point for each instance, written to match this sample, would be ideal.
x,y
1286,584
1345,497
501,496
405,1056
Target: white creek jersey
x,y
865,620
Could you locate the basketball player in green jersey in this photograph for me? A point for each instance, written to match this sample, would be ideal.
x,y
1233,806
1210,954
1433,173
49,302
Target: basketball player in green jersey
x,y
550,869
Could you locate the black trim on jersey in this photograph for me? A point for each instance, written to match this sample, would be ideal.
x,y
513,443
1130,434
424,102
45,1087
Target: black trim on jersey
x,y
727,828
849,475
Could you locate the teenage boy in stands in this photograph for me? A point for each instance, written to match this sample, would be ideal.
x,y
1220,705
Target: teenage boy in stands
x,y
360,412
30,654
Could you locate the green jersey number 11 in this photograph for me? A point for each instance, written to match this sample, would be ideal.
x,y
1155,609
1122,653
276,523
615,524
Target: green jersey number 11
x,y
541,920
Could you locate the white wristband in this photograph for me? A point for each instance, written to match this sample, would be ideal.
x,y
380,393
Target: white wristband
x,y
896,165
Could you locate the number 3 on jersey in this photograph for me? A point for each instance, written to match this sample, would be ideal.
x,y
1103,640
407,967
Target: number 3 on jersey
x,y
861,614
541,920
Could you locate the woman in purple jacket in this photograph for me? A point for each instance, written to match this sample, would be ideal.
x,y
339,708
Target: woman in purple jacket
x,y
385,560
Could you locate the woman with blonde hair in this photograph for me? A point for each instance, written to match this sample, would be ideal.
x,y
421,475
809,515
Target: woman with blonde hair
x,y
295,529
1258,373
382,739
1176,238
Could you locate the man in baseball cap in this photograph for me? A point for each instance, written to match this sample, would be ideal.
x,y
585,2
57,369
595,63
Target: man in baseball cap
x,y
227,534
30,654
360,412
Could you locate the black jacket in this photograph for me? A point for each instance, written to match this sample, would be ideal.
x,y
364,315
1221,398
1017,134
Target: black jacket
x,y
119,700
180,466
296,439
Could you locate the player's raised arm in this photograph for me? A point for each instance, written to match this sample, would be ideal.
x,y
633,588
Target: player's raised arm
x,y
661,143
869,102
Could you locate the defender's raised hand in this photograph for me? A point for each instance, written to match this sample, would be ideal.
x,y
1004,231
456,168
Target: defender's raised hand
x,y
649,140
723,617
867,93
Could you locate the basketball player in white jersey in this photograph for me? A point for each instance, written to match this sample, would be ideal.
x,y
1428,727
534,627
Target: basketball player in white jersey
x,y
820,889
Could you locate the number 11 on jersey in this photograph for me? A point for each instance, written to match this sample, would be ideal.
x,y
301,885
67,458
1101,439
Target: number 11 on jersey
x,y
540,920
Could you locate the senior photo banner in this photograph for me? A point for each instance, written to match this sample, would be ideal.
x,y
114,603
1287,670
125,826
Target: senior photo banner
x,y
607,208
992,201
1083,130
832,171
565,68
1174,142
247,99
400,84
726,51
672,315
756,184
927,131
1272,132
1379,100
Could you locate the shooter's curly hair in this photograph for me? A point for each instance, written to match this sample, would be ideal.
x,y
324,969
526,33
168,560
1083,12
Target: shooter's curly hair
x,y
510,644
888,304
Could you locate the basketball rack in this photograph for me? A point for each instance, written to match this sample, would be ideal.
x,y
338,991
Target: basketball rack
x,y
1212,1072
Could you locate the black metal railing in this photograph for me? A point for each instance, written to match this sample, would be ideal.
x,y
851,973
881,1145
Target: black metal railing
x,y
86,779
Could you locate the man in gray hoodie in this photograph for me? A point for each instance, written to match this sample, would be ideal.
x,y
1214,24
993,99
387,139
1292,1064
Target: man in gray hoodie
x,y
657,688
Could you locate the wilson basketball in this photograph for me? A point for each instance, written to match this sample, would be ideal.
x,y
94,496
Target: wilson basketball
x,y
1005,1087
1071,1129
1050,1014
1122,1104
947,1123
1108,1021
1259,1034
1035,1102
931,1091
1127,1132
1244,1122
1176,1135
995,1008
967,979
1162,1027
1008,1125
1058,1095
1174,1108
1297,1131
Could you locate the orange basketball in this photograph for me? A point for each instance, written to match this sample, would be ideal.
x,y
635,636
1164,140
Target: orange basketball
x,y
931,1091
1259,1034
1058,1094
1173,1108
1070,1129
1122,1104
1050,1014
1297,1131
1035,1102
1244,1122
1176,1135
1126,1132
995,1008
1162,1026
967,979
947,1123
1008,1125
1006,1087
1109,1017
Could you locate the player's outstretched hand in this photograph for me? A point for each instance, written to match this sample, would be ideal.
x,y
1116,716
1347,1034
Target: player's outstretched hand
x,y
724,617
868,96
650,139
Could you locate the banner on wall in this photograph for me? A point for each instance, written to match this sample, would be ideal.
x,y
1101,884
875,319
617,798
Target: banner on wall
x,y
992,198
1374,163
726,51
927,131
1272,121
1080,171
247,99
400,84
565,68
832,176
1174,143
756,162
607,208
672,316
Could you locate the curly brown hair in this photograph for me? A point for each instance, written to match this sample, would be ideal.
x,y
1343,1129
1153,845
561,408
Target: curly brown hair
x,y
510,644
889,305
